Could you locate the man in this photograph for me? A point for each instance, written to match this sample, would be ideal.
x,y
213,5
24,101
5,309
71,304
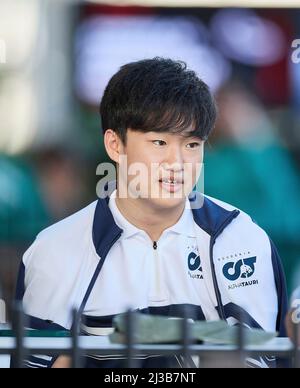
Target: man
x,y
147,245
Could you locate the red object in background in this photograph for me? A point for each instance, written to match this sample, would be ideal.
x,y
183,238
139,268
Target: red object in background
x,y
273,82
95,9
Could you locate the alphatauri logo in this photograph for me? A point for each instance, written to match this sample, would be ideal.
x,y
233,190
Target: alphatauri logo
x,y
194,265
242,269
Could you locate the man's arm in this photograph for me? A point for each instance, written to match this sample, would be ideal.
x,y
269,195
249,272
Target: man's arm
x,y
35,322
280,282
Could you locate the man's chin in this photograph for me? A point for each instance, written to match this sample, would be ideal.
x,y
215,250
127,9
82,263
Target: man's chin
x,y
166,202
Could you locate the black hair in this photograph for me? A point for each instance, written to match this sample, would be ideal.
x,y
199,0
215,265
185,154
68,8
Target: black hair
x,y
159,95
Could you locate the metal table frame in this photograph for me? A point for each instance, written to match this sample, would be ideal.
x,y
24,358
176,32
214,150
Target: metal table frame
x,y
77,346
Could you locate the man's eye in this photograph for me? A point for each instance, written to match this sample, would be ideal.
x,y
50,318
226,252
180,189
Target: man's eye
x,y
159,142
193,145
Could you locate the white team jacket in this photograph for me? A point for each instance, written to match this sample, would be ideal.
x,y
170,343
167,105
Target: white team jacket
x,y
240,265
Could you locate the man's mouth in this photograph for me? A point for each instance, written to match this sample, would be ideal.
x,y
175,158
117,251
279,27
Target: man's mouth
x,y
171,184
173,181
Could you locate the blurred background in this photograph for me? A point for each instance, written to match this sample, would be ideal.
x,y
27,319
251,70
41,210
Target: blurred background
x,y
55,60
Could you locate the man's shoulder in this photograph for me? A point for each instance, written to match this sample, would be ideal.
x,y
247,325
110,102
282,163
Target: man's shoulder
x,y
64,238
229,207
71,224
221,203
243,221
244,238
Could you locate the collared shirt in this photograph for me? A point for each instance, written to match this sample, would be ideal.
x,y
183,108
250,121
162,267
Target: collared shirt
x,y
138,276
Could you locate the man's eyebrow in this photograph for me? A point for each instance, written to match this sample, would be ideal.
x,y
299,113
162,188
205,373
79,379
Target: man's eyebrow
x,y
190,134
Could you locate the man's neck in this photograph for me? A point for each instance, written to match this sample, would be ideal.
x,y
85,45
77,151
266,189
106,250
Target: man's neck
x,y
152,220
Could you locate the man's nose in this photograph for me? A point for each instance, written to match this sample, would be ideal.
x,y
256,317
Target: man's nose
x,y
173,159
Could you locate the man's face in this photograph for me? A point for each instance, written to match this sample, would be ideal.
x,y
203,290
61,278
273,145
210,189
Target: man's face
x,y
161,168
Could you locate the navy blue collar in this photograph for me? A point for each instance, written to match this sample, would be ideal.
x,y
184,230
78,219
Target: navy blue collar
x,y
105,229
210,217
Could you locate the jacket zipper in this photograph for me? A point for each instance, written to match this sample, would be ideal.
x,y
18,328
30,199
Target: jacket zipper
x,y
158,290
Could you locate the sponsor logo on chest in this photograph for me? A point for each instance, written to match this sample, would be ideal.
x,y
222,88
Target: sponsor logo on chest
x,y
239,269
194,265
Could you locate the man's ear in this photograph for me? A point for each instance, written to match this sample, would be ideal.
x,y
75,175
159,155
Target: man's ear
x,y
113,145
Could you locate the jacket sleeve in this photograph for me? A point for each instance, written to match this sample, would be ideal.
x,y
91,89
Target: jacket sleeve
x,y
33,322
280,282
